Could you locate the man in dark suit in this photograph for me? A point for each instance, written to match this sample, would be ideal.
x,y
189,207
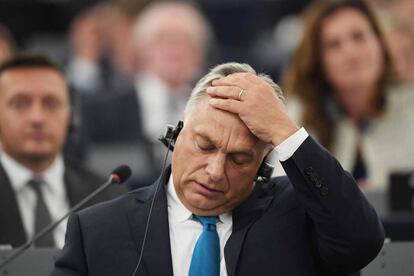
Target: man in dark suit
x,y
37,186
315,221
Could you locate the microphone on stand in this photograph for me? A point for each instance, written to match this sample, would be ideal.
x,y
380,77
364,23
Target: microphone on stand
x,y
118,176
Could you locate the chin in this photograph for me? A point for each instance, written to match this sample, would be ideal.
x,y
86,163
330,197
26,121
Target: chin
x,y
38,155
205,207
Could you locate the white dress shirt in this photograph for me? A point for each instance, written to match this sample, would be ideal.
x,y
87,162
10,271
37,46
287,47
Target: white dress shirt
x,y
160,105
184,231
84,75
54,193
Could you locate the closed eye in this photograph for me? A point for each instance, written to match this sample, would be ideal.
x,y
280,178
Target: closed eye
x,y
241,159
204,144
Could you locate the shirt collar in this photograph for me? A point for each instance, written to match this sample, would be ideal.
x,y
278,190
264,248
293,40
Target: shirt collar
x,y
19,175
54,175
179,212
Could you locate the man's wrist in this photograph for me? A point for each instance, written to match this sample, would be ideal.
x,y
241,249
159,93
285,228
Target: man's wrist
x,y
283,134
288,147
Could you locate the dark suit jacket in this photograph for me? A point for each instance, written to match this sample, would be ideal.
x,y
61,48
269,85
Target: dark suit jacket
x,y
113,120
313,222
79,183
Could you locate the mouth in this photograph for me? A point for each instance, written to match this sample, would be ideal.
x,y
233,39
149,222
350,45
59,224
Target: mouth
x,y
37,136
206,191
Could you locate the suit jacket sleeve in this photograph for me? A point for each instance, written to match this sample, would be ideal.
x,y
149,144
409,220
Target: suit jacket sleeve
x,y
345,229
68,263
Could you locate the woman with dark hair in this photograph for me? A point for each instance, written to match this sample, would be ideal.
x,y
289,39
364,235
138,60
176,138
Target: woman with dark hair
x,y
342,91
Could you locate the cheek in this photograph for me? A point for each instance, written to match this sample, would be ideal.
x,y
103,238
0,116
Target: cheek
x,y
377,57
60,125
241,184
329,63
10,124
184,161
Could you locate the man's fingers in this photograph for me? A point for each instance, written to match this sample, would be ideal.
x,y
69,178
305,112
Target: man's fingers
x,y
237,79
228,105
227,92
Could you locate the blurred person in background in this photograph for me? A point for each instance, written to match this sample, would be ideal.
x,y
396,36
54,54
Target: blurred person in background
x,y
37,184
403,8
341,88
7,44
102,49
170,41
399,34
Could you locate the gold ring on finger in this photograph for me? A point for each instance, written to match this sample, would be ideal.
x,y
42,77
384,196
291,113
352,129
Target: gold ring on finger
x,y
241,94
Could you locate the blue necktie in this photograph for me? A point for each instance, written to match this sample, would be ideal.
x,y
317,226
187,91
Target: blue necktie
x,y
206,254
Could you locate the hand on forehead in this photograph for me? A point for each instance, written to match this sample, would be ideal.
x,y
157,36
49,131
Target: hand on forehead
x,y
256,103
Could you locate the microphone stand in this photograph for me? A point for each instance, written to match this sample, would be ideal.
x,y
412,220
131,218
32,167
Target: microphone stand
x,y
112,179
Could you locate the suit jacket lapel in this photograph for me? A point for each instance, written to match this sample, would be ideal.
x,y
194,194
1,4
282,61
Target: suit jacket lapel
x,y
157,252
74,186
12,229
243,217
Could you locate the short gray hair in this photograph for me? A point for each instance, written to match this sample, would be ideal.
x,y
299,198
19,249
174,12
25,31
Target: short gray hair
x,y
223,70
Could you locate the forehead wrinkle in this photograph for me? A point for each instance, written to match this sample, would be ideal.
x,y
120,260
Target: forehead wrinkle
x,y
218,143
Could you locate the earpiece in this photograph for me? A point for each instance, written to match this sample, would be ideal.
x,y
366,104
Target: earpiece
x,y
170,135
265,171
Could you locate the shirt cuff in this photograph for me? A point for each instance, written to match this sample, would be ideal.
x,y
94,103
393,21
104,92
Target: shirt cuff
x,y
287,148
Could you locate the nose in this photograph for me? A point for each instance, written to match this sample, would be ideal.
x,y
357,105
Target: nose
x,y
351,48
216,167
37,114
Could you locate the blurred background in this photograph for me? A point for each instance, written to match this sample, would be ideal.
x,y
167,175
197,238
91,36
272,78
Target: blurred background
x,y
131,68
244,30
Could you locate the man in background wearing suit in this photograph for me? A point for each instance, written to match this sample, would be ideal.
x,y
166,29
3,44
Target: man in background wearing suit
x,y
212,217
37,186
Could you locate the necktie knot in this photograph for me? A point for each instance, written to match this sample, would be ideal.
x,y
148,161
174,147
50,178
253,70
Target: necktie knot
x,y
209,223
35,184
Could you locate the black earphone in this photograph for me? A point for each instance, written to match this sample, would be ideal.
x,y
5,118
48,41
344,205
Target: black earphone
x,y
170,136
